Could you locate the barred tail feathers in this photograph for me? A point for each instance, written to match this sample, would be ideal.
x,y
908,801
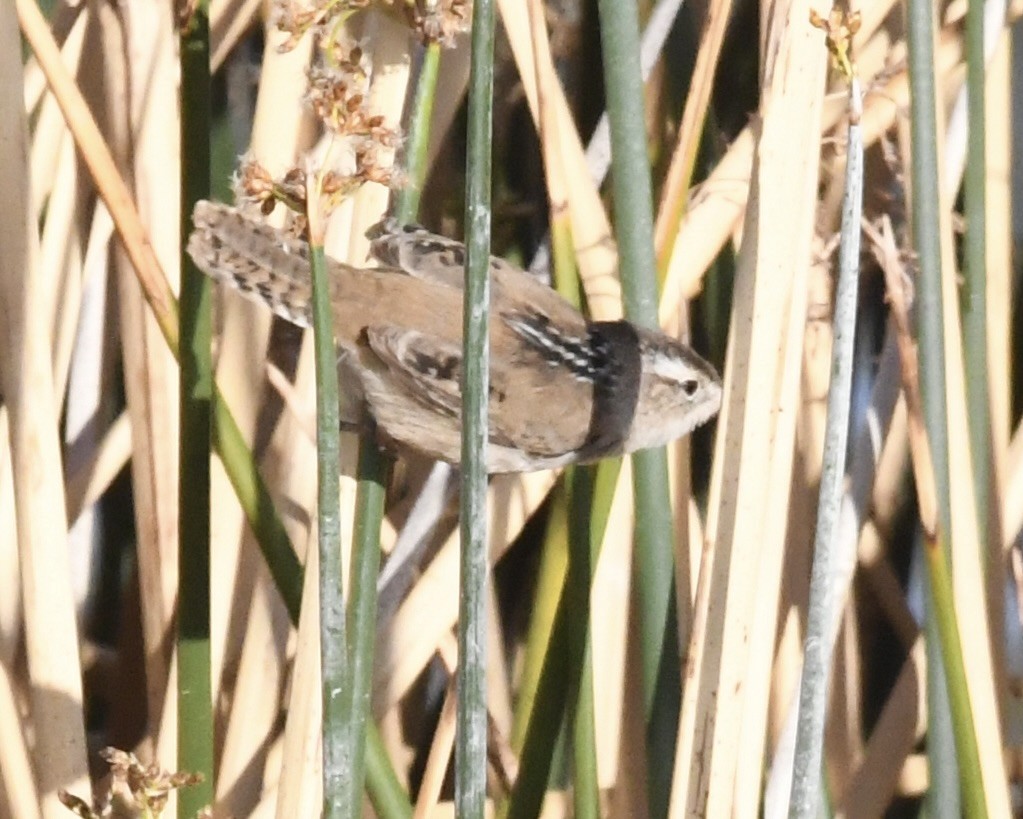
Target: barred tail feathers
x,y
263,263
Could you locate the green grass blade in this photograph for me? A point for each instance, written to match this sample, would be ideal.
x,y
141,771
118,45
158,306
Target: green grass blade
x,y
654,538
342,795
416,148
258,505
369,509
951,779
195,698
974,295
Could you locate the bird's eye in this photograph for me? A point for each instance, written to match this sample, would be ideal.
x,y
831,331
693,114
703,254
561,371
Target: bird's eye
x,y
689,387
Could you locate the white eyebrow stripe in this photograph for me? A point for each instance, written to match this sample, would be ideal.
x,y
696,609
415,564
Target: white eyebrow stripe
x,y
671,369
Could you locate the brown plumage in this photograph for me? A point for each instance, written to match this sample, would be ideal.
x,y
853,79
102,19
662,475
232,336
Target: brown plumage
x,y
562,389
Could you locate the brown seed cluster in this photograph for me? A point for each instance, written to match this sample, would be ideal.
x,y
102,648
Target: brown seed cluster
x,y
338,85
135,789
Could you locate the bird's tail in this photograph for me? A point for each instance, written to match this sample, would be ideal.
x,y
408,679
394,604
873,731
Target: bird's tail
x,y
264,263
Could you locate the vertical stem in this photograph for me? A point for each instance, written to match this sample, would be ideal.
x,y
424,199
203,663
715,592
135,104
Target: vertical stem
x,y
974,301
926,201
195,699
654,540
361,631
342,794
806,799
471,739
407,199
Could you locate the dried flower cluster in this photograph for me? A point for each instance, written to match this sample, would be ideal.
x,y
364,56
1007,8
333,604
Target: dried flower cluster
x,y
438,21
135,789
336,95
338,85
254,183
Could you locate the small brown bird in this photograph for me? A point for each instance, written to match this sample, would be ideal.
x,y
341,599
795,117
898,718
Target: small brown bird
x,y
562,389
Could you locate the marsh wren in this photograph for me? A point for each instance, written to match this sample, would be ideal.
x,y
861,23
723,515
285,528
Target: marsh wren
x,y
562,389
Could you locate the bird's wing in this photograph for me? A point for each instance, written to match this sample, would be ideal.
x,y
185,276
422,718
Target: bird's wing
x,y
425,367
418,252
529,411
425,255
